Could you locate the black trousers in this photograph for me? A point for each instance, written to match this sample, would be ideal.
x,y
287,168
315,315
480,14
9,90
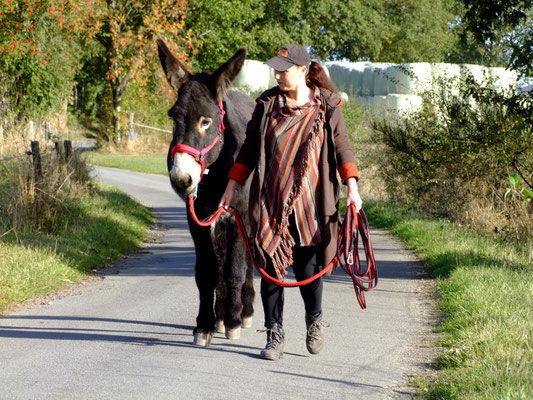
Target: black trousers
x,y
304,266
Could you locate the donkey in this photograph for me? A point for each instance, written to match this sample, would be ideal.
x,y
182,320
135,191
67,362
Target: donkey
x,y
222,264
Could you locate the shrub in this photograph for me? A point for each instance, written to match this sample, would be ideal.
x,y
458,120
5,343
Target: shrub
x,y
455,155
30,204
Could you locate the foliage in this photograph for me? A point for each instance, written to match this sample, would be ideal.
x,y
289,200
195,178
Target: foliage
x,y
31,204
40,45
382,31
97,227
518,189
459,150
127,53
395,31
509,22
486,299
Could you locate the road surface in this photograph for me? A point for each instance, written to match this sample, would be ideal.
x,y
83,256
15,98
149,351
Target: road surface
x,y
128,334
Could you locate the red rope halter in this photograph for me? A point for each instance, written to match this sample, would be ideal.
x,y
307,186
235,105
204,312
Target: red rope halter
x,y
347,250
199,154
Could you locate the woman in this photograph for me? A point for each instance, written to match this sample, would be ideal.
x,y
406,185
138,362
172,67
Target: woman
x,y
295,143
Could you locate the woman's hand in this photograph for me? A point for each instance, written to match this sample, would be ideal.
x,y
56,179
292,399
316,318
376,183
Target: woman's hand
x,y
353,194
229,193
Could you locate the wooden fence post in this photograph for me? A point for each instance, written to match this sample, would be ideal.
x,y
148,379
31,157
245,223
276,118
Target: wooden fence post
x,y
57,148
36,156
46,128
68,149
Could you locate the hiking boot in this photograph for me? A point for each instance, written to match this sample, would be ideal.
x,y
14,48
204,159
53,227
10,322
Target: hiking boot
x,y
274,346
315,333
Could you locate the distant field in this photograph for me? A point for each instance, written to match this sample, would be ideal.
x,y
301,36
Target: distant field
x,y
151,164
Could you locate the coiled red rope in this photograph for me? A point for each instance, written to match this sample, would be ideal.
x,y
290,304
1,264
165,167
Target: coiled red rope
x,y
355,224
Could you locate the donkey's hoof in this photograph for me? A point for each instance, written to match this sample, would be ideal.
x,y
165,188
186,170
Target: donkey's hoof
x,y
219,327
247,322
234,333
202,338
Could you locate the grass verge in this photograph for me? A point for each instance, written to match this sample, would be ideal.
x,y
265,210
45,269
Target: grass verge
x,y
150,164
102,225
486,296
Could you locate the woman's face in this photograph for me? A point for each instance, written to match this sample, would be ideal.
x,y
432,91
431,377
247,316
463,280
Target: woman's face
x,y
292,78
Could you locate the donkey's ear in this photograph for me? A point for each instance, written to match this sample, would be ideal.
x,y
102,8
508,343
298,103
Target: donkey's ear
x,y
175,72
226,73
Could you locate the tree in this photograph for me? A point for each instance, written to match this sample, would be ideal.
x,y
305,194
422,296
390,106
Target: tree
x,y
509,23
40,45
383,31
377,30
128,34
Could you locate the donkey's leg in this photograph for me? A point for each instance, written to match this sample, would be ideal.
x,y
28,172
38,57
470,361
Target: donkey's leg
x,y
219,303
218,237
248,292
235,277
206,276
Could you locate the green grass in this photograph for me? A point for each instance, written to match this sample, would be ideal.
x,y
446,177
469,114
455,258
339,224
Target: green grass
x,y
151,164
102,226
486,296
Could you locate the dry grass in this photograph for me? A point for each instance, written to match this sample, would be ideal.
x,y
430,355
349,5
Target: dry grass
x,y
146,142
34,203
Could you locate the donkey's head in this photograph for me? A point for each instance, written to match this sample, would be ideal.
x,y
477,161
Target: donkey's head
x,y
196,115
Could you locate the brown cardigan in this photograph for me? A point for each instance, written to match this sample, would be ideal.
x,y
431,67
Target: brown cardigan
x,y
336,154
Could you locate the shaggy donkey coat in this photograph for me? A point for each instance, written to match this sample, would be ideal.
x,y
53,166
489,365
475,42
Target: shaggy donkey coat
x,y
222,264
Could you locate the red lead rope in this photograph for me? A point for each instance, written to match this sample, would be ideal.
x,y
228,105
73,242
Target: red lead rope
x,y
354,224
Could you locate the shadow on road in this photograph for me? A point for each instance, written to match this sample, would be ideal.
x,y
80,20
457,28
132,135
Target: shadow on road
x,y
135,336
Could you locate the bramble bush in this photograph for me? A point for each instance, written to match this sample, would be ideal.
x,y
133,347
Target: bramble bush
x,y
454,157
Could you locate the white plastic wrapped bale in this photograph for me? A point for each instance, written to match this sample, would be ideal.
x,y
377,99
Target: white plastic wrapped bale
x,y
347,76
381,78
326,70
379,106
367,84
446,78
478,72
272,79
404,103
503,79
344,97
414,78
254,77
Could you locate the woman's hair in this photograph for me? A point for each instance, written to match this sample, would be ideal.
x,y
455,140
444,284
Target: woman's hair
x,y
317,76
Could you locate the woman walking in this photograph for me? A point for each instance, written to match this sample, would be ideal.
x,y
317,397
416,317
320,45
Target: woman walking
x,y
295,143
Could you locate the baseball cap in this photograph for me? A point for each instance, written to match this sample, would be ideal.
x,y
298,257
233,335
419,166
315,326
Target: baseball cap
x,y
287,56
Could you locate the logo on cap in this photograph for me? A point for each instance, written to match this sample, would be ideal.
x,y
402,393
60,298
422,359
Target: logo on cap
x,y
283,52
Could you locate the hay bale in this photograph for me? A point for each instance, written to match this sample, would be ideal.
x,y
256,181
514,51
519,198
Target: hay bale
x,y
413,78
446,78
503,80
381,79
254,77
367,81
347,76
478,72
404,103
379,106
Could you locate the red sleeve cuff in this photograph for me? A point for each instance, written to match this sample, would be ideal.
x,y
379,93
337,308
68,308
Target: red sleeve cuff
x,y
348,170
240,173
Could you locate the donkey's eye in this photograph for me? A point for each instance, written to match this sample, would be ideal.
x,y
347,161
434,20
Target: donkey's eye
x,y
204,123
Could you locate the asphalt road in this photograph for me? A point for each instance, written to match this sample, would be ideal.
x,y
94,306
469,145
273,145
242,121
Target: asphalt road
x,y
128,334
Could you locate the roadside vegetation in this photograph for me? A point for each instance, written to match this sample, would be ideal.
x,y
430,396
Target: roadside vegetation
x,y
60,228
485,292
453,181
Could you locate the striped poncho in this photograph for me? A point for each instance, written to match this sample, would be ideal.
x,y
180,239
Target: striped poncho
x,y
293,141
